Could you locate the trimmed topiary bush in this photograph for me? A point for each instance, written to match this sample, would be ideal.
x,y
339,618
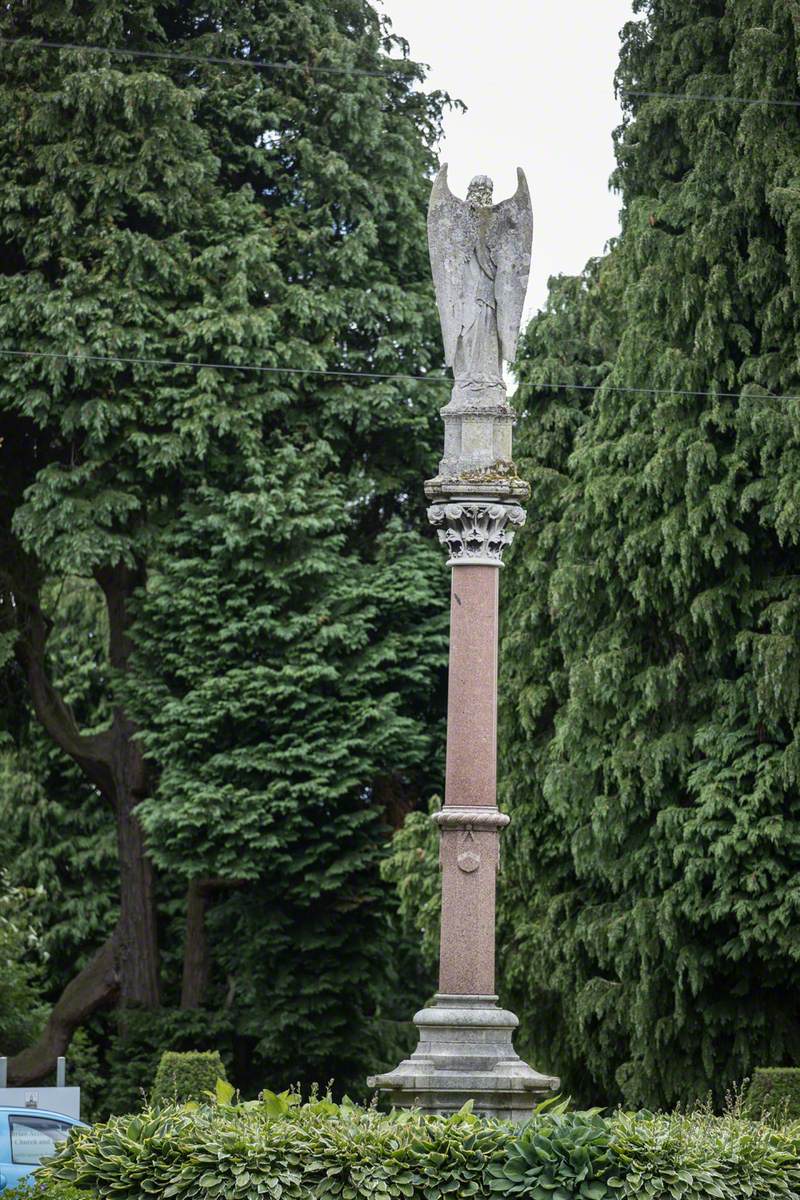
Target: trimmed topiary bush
x,y
774,1090
281,1149
189,1076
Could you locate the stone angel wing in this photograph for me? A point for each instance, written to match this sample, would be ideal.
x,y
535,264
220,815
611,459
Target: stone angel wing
x,y
509,239
451,241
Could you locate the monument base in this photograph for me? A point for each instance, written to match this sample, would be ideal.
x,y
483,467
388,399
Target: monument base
x,y
465,1052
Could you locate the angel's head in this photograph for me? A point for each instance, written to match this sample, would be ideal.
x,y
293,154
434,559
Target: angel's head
x,y
479,191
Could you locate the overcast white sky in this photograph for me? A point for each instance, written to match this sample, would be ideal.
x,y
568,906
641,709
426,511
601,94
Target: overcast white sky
x,y
536,76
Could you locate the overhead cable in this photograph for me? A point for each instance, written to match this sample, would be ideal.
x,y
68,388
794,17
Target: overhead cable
x,y
265,65
713,98
176,362
380,375
254,64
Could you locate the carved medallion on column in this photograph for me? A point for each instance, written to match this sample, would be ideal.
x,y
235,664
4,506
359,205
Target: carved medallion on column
x,y
466,824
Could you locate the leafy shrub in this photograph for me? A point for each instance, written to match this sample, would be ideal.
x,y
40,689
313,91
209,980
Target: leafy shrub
x,y
558,1156
30,1189
134,1053
279,1148
695,1156
774,1090
186,1076
412,866
272,1147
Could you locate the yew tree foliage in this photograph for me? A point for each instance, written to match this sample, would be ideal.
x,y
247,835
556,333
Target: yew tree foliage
x,y
286,685
20,1009
652,713
258,537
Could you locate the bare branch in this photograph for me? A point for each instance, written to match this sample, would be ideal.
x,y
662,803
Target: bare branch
x,y
95,986
92,753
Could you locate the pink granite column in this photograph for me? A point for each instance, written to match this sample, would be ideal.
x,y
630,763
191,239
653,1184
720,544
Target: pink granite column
x,y
469,821
471,770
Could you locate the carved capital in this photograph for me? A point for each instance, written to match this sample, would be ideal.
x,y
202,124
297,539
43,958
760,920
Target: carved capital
x,y
476,532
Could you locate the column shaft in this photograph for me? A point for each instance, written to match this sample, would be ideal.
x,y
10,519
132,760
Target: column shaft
x,y
471,769
469,853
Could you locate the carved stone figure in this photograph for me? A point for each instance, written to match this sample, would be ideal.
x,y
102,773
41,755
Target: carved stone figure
x,y
480,257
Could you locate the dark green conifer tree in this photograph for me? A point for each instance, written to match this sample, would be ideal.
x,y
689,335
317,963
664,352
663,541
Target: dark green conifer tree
x,y
260,529
286,675
653,872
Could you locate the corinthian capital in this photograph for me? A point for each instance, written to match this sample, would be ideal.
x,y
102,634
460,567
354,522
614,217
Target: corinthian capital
x,y
476,532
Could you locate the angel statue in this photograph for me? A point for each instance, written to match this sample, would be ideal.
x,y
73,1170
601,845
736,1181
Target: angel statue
x,y
481,258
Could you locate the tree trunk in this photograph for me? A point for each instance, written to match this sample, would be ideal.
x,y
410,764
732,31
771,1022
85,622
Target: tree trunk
x,y
392,796
137,955
195,954
196,957
125,970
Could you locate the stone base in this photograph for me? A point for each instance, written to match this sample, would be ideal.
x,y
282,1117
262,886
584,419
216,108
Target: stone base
x,y
465,1052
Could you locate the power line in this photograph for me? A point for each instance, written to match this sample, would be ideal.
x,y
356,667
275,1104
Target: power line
x,y
721,99
649,391
253,63
339,374
175,362
265,65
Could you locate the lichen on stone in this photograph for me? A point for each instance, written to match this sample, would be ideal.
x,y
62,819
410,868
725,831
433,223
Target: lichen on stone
x,y
500,471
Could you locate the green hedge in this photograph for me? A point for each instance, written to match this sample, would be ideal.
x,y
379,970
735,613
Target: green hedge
x,y
321,1151
186,1076
775,1090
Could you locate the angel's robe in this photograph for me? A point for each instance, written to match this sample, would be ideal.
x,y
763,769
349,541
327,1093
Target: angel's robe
x,y
478,355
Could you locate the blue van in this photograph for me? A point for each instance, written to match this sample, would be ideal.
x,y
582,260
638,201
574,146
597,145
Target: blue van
x,y
27,1135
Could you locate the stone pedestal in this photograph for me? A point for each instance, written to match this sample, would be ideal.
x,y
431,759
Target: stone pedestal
x,y
477,431
465,1053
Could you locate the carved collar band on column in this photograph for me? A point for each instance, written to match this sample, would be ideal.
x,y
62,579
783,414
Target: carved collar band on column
x,y
465,816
